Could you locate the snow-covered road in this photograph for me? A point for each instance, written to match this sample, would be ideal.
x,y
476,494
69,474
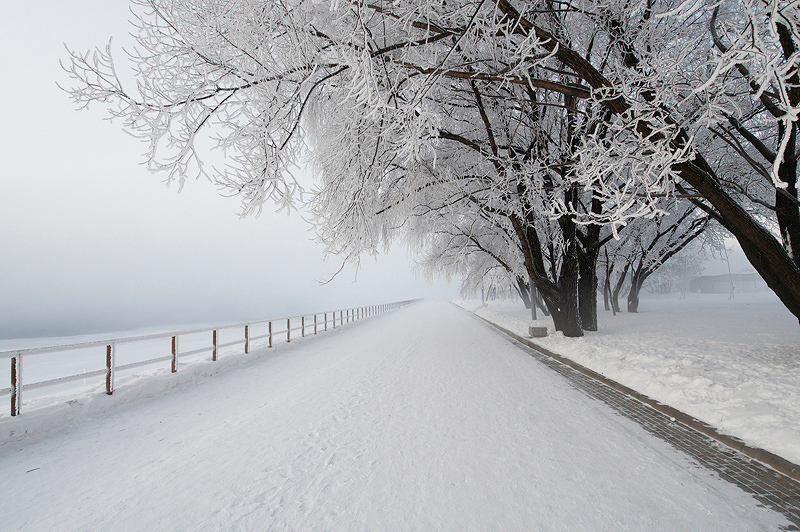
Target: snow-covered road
x,y
420,419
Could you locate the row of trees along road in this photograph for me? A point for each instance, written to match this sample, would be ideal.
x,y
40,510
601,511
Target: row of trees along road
x,y
527,133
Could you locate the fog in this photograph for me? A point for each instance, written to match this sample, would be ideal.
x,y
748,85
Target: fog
x,y
92,242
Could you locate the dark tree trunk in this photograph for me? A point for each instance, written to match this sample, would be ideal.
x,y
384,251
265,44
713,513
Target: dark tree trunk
x,y
786,210
607,285
587,289
633,295
618,289
788,214
562,300
566,316
637,280
633,301
540,302
524,294
560,293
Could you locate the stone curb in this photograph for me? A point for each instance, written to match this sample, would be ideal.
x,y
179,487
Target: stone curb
x,y
774,461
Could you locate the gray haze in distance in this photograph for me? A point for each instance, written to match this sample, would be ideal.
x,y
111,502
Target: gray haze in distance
x,y
92,242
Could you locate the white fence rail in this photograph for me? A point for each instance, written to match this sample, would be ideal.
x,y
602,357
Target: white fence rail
x,y
271,330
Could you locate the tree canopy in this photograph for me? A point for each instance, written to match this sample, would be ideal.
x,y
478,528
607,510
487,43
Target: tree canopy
x,y
529,132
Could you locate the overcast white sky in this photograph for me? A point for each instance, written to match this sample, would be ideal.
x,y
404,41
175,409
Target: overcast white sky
x,y
92,242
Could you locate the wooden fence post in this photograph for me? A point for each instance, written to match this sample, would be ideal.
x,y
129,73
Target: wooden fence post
x,y
302,326
315,324
16,385
174,354
215,343
110,364
270,334
246,339
288,329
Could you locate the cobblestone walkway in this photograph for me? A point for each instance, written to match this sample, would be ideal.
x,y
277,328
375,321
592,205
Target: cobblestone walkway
x,y
772,488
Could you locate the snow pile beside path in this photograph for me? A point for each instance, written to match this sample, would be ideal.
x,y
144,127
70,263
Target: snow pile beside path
x,y
733,364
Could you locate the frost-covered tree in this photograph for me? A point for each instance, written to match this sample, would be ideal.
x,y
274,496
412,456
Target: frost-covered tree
x,y
420,102
659,242
695,70
646,247
615,265
678,272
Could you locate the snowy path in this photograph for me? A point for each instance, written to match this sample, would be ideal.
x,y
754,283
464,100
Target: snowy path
x,y
419,419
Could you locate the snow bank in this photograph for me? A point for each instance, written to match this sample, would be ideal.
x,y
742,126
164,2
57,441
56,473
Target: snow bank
x,y
732,364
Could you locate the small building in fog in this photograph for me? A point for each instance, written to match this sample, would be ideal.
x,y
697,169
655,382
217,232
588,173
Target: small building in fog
x,y
721,284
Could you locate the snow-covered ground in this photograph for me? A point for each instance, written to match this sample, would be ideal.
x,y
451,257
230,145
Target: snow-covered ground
x,y
734,364
53,365
423,418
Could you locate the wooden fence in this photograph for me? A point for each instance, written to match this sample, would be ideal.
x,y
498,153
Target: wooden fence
x,y
271,331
